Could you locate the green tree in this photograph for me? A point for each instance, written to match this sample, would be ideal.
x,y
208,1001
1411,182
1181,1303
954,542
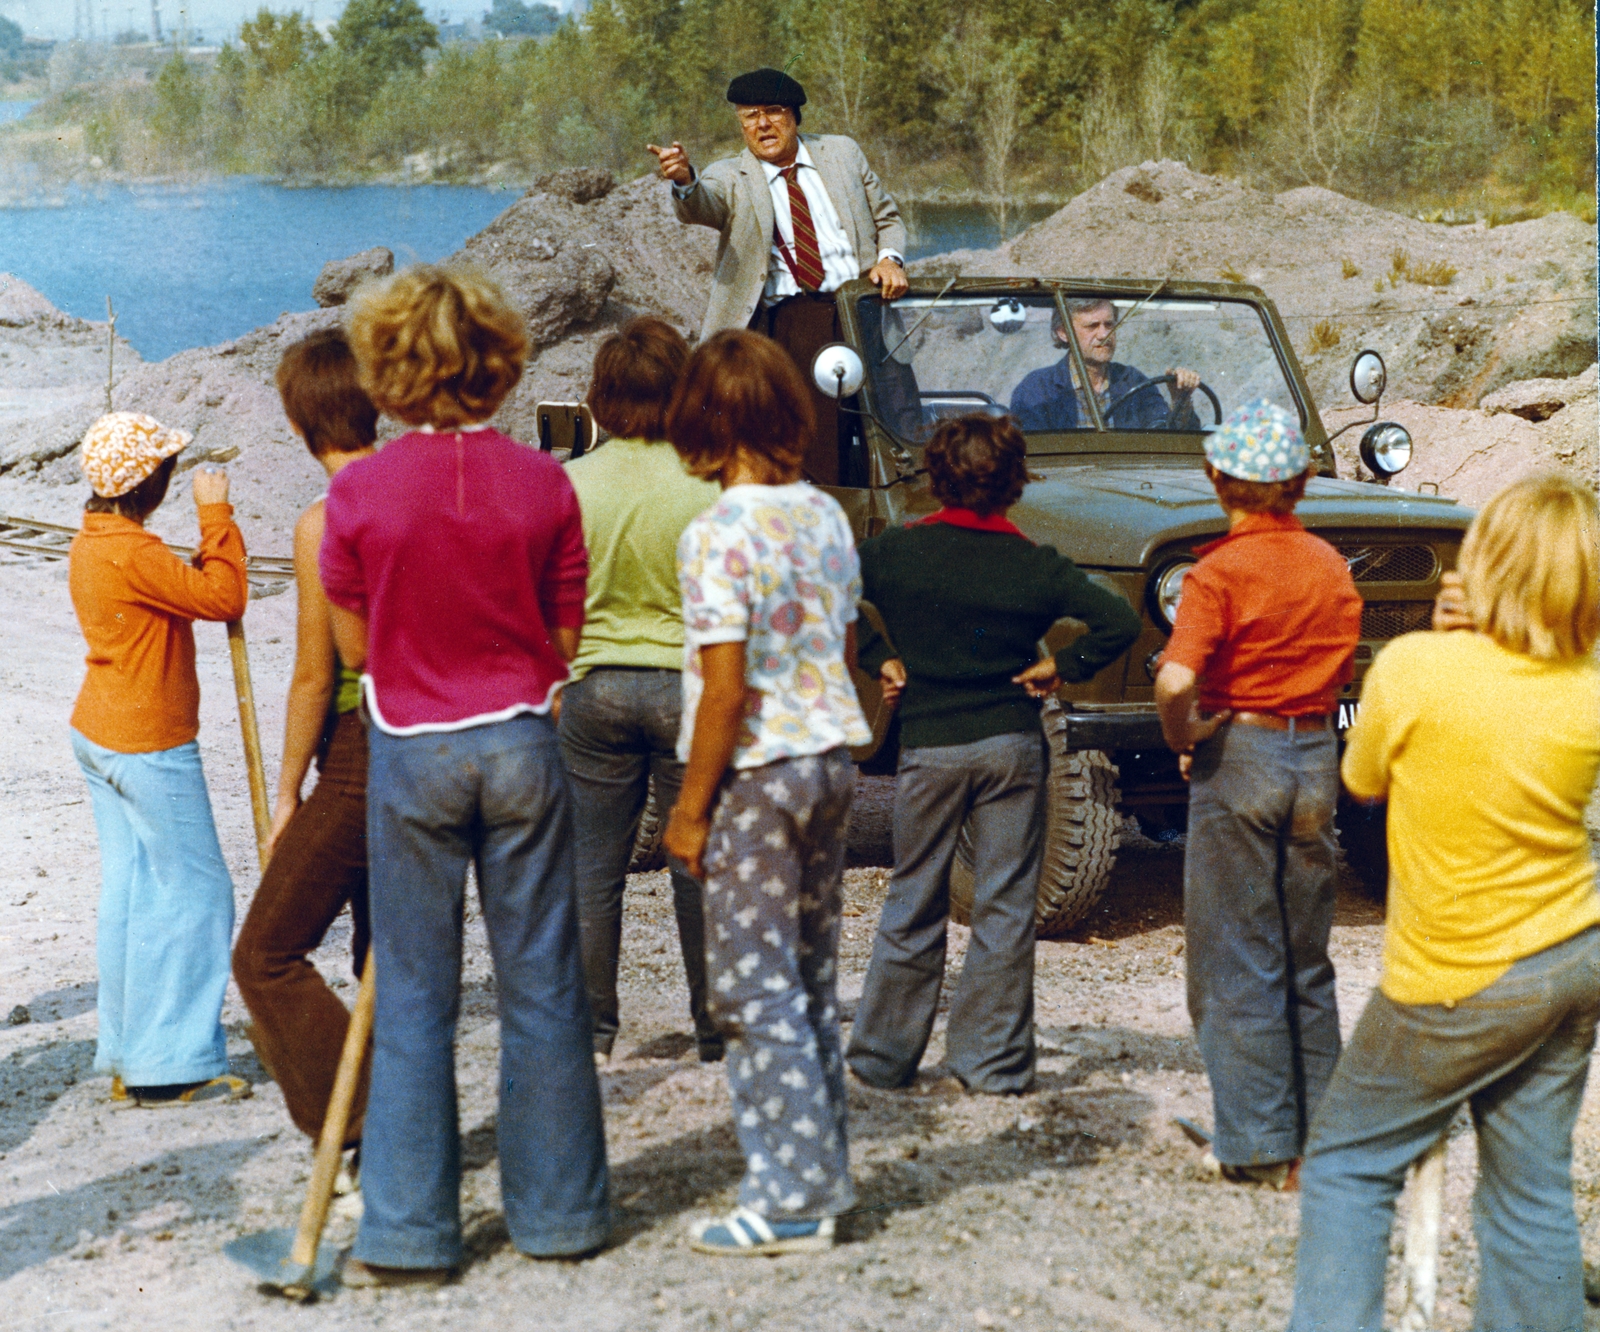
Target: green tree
x,y
179,101
386,36
278,42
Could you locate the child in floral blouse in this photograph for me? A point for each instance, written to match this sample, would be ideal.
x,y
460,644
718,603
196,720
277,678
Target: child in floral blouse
x,y
770,582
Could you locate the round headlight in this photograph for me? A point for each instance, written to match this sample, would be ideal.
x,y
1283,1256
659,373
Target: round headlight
x,y
1386,449
1166,590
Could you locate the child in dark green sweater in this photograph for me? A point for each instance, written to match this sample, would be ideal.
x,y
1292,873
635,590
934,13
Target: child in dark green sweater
x,y
965,598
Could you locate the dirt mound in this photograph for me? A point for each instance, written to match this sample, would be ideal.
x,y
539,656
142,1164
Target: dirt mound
x,y
580,269
52,376
576,259
1456,311
1469,453
580,254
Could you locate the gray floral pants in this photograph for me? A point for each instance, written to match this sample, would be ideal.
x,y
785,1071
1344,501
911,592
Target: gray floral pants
x,y
774,868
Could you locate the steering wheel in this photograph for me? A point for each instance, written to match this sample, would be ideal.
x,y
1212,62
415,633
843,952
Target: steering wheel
x,y
1172,411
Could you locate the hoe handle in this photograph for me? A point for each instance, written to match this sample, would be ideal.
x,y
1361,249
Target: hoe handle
x,y
256,770
314,1214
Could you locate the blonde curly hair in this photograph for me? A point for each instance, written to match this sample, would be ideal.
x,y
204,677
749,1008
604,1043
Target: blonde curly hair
x,y
1531,567
436,345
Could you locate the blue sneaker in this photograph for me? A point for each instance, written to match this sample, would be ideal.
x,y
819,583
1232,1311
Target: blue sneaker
x,y
744,1233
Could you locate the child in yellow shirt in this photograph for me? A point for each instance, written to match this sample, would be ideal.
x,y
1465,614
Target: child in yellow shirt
x,y
1486,746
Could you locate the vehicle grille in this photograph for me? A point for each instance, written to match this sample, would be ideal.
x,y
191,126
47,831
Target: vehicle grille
x,y
1383,620
1389,564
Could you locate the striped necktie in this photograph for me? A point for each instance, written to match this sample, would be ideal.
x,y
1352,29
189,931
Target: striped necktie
x,y
806,266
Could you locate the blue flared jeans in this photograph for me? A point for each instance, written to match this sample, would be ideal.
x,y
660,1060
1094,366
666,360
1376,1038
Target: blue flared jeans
x,y
494,796
1517,1054
166,916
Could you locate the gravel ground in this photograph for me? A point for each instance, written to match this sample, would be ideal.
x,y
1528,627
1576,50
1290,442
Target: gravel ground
x,y
1077,1206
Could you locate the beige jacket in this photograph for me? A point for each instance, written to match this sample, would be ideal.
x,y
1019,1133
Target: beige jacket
x,y
732,197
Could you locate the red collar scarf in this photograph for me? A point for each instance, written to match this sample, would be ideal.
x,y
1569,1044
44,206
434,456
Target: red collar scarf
x,y
973,522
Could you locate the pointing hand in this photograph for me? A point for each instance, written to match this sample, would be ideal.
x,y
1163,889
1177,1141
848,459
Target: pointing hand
x,y
673,163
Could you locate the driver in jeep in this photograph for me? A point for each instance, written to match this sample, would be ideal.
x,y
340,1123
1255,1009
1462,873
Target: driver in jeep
x,y
1047,400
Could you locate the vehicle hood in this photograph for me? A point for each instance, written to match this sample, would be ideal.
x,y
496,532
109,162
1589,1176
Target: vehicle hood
x,y
1103,516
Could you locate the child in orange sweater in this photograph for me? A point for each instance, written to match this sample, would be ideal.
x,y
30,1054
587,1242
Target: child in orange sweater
x,y
166,901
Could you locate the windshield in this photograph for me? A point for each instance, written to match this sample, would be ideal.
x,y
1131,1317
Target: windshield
x,y
930,358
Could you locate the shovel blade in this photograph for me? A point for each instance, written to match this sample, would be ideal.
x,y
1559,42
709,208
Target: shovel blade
x,y
266,1254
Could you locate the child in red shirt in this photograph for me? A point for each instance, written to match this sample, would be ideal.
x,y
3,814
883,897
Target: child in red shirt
x,y
454,565
1265,637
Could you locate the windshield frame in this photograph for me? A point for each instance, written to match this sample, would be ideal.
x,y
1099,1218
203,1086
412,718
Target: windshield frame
x,y
1100,439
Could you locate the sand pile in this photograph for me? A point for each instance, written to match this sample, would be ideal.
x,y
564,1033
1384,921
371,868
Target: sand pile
x,y
578,256
1516,302
1471,453
52,374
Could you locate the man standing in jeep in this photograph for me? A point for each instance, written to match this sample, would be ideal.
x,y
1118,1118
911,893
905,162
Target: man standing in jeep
x,y
799,217
1047,399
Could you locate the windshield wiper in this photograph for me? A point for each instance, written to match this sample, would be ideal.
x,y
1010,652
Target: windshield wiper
x,y
1155,291
943,292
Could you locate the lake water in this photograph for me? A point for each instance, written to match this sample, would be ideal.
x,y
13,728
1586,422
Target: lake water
x,y
188,266
15,110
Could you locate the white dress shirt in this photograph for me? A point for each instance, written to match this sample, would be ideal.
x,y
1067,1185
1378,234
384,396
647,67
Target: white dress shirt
x,y
839,262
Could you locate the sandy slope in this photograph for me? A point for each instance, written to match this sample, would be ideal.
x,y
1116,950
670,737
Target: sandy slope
x,y
1076,1207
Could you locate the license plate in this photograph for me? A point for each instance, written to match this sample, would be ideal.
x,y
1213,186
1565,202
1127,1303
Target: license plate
x,y
1347,716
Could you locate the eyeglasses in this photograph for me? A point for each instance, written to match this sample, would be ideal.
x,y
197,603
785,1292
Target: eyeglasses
x,y
756,115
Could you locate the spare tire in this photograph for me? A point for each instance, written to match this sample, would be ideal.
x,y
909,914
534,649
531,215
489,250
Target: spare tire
x,y
647,852
1082,828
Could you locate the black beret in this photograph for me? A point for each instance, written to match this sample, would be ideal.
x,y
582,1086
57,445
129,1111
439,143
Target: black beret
x,y
766,87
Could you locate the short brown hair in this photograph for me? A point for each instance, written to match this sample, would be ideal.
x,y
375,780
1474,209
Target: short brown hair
x,y
740,391
320,385
143,500
437,346
1530,563
1277,497
635,372
978,463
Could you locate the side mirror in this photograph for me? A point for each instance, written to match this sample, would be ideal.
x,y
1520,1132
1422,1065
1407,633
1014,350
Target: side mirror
x,y
837,371
565,427
1368,377
1386,450
1008,316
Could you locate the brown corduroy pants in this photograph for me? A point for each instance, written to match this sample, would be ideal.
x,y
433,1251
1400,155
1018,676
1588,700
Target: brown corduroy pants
x,y
318,865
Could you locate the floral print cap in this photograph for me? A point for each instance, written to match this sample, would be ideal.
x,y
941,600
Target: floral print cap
x,y
1258,442
123,448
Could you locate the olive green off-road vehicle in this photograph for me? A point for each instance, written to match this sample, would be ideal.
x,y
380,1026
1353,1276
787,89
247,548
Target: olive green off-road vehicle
x,y
1118,487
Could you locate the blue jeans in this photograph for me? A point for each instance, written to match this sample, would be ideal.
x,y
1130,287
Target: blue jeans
x,y
997,786
1517,1053
1258,890
494,796
166,916
619,728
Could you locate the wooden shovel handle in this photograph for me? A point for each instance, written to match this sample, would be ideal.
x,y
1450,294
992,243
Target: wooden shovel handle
x,y
314,1213
254,768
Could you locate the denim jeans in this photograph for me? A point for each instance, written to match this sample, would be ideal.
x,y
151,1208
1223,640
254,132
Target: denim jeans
x,y
1258,890
166,916
1517,1053
996,785
495,796
619,728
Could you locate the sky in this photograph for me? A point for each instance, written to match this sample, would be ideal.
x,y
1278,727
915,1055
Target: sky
x,y
215,19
